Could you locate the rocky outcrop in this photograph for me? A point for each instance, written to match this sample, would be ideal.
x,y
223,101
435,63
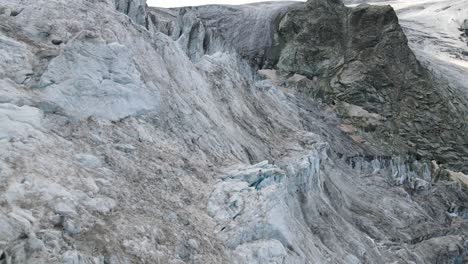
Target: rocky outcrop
x,y
360,56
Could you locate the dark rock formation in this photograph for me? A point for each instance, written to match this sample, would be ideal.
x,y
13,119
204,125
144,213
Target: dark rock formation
x,y
360,56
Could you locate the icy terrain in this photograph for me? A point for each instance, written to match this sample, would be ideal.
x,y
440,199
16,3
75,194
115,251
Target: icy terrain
x,y
277,132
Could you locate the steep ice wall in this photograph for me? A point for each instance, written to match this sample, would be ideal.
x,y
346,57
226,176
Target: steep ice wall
x,y
131,142
136,10
248,29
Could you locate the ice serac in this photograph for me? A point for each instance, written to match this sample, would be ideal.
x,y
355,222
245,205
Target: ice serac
x,y
262,133
247,29
270,213
135,9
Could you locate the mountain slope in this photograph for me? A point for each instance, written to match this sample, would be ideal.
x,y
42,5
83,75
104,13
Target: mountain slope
x,y
139,135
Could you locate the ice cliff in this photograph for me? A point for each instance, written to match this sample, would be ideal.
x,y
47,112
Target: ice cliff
x,y
278,132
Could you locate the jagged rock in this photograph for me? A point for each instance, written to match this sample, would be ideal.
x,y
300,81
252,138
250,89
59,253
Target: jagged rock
x,y
360,56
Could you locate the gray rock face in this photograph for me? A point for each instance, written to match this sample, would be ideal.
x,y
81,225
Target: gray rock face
x,y
128,137
360,56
